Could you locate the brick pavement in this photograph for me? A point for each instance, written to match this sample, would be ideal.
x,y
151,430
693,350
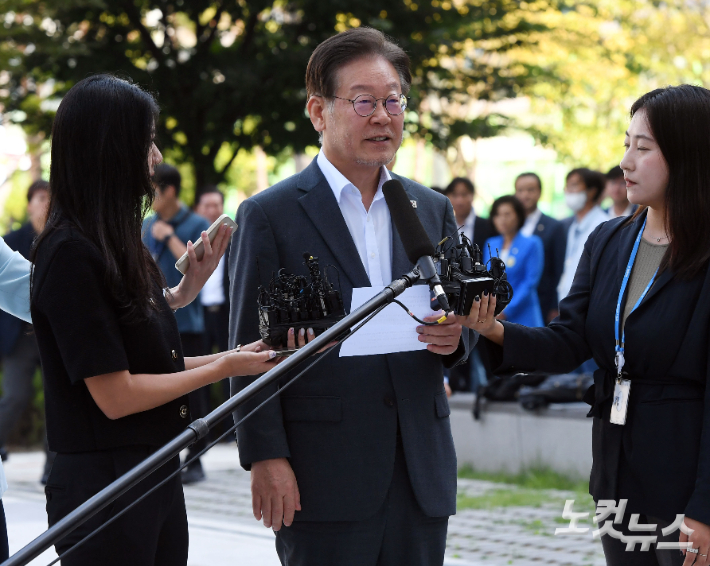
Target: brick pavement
x,y
223,530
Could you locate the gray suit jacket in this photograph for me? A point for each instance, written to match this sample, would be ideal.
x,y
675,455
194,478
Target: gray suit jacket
x,y
338,424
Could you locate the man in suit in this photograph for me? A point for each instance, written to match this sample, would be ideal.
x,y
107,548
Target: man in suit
x,y
359,450
18,346
461,192
215,294
528,189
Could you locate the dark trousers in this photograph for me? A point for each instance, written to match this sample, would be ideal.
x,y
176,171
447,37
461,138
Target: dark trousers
x,y
193,345
217,339
4,548
398,535
153,533
19,368
615,550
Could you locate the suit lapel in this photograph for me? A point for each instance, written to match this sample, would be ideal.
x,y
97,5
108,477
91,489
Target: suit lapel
x,y
321,207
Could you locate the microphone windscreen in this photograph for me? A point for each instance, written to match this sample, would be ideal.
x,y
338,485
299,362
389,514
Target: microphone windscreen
x,y
414,238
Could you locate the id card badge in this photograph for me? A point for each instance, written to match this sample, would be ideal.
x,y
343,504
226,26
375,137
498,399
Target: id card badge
x,y
620,402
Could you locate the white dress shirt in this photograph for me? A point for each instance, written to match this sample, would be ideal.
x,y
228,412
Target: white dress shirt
x,y
531,222
213,291
576,238
371,229
469,225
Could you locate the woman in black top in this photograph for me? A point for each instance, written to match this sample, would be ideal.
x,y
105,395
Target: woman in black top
x,y
646,323
115,379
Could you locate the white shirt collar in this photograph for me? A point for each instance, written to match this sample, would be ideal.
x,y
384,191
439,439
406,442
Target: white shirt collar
x,y
531,222
470,219
338,181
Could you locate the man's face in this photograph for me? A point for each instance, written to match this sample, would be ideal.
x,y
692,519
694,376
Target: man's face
x,y
462,201
210,207
350,140
37,208
164,197
528,192
616,191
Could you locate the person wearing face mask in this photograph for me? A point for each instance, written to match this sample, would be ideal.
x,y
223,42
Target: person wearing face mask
x,y
640,306
583,190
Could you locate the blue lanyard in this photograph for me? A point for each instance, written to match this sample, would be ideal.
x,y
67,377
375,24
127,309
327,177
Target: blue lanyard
x,y
627,274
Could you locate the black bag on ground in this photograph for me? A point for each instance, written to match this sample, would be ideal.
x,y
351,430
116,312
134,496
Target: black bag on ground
x,y
507,387
564,388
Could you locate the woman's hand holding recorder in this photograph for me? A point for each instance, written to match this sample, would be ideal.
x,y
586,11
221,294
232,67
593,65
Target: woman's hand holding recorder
x,y
482,318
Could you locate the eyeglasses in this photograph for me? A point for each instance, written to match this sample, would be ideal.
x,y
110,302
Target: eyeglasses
x,y
366,104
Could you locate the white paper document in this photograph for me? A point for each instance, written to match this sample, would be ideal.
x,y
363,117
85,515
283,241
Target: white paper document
x,y
392,330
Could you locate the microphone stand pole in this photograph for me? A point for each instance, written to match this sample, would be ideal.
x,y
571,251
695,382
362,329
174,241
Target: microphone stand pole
x,y
200,427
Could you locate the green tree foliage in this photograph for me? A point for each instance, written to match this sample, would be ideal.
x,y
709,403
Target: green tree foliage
x,y
230,74
603,55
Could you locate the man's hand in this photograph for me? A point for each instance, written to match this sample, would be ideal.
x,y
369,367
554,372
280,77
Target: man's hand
x,y
161,230
274,492
443,338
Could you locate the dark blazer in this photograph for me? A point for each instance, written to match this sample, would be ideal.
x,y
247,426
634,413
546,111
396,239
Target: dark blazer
x,y
482,230
338,424
660,459
11,327
554,237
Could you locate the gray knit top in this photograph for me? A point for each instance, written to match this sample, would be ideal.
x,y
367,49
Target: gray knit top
x,y
647,261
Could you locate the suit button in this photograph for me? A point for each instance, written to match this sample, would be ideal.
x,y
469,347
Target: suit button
x,y
174,353
183,411
389,402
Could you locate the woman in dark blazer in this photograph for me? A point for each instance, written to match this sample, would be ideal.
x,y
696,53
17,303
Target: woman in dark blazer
x,y
524,260
658,455
115,379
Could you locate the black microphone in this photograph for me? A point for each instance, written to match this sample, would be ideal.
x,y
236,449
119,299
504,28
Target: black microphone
x,y
417,245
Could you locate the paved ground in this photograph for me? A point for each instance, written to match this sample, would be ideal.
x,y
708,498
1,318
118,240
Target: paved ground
x,y
223,531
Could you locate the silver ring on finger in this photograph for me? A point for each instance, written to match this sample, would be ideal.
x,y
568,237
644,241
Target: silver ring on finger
x,y
482,321
693,550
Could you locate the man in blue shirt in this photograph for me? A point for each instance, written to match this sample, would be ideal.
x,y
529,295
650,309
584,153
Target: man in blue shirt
x,y
166,234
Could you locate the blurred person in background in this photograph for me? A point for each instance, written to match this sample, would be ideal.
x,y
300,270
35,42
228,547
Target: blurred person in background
x,y
583,190
18,345
15,301
166,234
583,193
470,375
215,294
616,191
528,189
524,259
461,192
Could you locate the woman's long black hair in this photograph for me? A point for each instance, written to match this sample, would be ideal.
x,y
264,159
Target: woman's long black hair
x,y
679,117
100,182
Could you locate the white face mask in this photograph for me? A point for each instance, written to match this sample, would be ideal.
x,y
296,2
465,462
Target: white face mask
x,y
576,201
